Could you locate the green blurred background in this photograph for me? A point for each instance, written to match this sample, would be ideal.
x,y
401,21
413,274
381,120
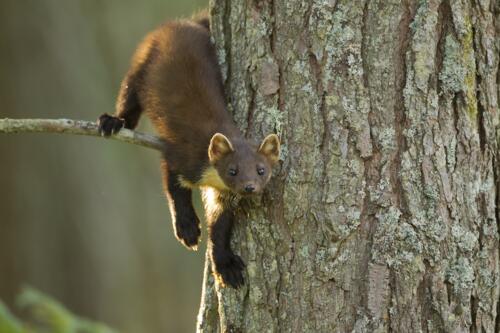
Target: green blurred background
x,y
84,219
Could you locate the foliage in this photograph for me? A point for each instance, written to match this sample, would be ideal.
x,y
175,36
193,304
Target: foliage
x,y
45,315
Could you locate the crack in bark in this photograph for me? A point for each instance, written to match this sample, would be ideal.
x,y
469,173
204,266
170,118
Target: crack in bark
x,y
364,63
226,27
456,117
273,40
445,20
474,307
272,35
278,210
479,105
392,286
423,292
251,108
399,108
326,132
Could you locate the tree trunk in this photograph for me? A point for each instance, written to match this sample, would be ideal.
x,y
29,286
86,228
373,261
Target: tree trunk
x,y
384,213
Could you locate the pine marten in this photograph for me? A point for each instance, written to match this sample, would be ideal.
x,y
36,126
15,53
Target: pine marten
x,y
176,80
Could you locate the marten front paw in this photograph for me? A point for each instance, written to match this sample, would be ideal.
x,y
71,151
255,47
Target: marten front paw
x,y
188,231
110,124
228,268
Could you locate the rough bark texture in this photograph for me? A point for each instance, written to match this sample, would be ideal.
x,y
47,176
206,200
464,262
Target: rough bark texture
x,y
384,213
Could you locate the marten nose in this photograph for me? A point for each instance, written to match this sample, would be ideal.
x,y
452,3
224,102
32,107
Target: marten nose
x,y
249,188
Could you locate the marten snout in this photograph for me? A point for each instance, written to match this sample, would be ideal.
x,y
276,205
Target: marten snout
x,y
252,187
249,188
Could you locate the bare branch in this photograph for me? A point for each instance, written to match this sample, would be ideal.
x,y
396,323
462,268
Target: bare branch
x,y
78,127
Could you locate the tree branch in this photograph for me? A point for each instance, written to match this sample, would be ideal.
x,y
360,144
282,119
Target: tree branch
x,y
78,127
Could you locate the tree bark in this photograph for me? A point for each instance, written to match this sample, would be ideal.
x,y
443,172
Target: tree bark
x,y
384,213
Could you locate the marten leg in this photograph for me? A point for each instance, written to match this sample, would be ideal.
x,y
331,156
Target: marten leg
x,y
128,108
185,222
227,266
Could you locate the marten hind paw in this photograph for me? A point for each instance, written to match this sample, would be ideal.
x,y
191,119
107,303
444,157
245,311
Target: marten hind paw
x,y
189,234
229,272
109,125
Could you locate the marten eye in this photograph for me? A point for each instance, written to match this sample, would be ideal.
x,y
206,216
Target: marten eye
x,y
233,172
261,171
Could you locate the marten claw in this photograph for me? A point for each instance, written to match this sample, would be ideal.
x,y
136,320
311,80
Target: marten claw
x,y
230,273
109,125
188,234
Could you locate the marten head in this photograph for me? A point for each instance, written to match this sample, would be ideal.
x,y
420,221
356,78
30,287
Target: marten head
x,y
243,167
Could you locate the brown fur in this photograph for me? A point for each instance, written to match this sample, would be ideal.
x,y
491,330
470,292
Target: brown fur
x,y
175,79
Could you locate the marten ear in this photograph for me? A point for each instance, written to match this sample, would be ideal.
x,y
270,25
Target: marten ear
x,y
219,146
270,147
